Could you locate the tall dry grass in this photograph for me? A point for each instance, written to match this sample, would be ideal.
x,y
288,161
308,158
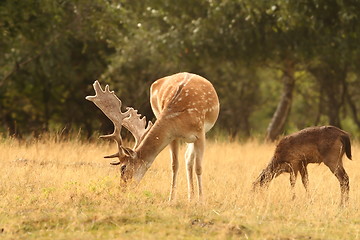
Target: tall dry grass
x,y
54,189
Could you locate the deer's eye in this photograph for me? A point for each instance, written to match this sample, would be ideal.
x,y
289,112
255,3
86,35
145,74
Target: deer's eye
x,y
122,169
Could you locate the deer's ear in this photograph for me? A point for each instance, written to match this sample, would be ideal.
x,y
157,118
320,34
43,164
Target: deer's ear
x,y
128,152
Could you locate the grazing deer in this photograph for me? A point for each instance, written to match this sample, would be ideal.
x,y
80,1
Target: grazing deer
x,y
294,152
186,107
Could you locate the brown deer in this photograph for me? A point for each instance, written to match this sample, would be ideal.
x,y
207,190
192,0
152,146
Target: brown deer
x,y
294,152
186,107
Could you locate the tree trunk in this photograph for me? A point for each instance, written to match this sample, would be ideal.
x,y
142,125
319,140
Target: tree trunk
x,y
353,109
332,82
282,112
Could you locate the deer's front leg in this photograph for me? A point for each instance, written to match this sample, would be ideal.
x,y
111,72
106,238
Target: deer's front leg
x,y
293,169
304,176
174,150
293,175
189,158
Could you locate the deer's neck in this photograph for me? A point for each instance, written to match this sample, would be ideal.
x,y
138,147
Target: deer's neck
x,y
154,142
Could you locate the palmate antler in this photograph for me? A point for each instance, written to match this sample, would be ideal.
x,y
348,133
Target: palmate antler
x,y
136,125
110,105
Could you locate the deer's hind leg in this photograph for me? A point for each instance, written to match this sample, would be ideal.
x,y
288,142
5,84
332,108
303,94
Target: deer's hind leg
x,y
199,148
343,178
189,158
344,184
334,162
193,156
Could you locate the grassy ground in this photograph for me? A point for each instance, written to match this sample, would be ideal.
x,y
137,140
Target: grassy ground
x,y
65,190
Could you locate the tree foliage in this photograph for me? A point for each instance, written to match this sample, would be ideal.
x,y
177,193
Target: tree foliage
x,y
52,51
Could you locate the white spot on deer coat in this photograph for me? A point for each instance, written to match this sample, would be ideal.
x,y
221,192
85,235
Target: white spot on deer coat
x,y
172,115
192,110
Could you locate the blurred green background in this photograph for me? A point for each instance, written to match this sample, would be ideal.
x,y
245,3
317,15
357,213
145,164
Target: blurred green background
x,y
278,66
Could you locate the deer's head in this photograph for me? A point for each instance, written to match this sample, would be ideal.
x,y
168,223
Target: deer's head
x,y
132,168
131,165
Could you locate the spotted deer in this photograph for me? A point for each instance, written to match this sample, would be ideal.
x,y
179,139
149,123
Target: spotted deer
x,y
326,144
186,106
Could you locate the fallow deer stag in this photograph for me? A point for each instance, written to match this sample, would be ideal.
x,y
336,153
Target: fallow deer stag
x,y
294,152
186,107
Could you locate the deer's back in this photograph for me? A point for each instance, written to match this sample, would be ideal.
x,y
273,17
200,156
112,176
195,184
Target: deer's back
x,y
310,144
186,100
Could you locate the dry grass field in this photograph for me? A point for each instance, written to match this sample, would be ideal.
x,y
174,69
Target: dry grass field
x,y
64,190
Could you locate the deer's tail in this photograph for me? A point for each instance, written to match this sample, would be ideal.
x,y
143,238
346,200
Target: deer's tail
x,y
345,139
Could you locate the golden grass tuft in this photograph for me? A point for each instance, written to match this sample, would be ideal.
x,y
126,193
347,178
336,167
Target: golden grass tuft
x,y
53,189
